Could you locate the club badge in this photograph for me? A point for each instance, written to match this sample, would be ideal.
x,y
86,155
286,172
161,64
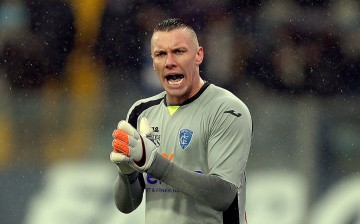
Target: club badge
x,y
185,136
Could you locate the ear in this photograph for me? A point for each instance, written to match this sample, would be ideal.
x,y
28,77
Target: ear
x,y
200,55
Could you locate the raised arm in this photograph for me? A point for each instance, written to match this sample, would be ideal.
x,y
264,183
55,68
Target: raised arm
x,y
128,191
208,189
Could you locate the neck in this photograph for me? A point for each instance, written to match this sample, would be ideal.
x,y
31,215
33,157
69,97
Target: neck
x,y
174,101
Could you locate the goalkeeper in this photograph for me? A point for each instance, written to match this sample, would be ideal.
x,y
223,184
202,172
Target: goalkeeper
x,y
186,147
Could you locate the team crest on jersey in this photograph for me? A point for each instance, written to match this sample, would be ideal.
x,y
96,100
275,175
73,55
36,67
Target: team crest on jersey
x,y
185,136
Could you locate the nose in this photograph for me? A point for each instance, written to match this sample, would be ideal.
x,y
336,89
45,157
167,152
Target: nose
x,y
170,61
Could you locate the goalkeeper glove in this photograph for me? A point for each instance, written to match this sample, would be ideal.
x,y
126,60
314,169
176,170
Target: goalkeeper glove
x,y
136,150
121,161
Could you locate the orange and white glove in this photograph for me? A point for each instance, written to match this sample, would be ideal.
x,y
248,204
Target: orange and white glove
x,y
121,161
132,148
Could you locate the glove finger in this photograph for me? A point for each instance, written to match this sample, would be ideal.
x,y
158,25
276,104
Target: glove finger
x,y
121,146
145,127
127,128
118,157
121,135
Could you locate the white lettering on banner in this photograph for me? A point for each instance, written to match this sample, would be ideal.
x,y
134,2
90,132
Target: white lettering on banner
x,y
276,197
273,197
339,205
280,197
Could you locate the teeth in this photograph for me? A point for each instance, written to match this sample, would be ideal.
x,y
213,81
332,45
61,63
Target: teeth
x,y
175,79
175,82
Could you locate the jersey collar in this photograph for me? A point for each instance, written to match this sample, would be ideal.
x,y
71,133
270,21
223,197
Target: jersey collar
x,y
206,84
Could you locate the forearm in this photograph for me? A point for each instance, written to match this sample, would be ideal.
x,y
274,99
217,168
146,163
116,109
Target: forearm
x,y
208,189
128,192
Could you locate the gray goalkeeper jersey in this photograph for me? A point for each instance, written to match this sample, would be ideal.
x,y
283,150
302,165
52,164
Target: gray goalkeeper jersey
x,y
208,134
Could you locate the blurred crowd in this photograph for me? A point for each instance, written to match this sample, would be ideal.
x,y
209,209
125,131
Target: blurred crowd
x,y
91,50
297,46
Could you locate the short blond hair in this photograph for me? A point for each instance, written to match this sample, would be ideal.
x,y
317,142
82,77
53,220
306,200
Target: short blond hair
x,y
173,24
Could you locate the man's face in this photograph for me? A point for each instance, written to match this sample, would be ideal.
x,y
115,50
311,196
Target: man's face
x,y
176,59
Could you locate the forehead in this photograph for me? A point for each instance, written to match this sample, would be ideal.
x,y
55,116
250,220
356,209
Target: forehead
x,y
170,39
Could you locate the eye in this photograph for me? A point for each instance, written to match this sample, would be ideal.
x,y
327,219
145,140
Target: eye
x,y
159,54
179,51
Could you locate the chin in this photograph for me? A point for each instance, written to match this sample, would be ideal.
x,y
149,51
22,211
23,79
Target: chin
x,y
176,93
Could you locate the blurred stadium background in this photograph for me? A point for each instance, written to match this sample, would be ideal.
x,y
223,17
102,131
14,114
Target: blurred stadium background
x,y
70,69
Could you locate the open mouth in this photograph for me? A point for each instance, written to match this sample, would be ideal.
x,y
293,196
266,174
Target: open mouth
x,y
175,79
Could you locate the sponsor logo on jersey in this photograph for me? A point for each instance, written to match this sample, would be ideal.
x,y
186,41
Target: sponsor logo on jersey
x,y
155,137
155,185
233,113
156,140
185,136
